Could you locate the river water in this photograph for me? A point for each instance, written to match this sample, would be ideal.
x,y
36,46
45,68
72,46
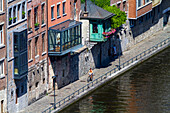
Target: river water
x,y
143,89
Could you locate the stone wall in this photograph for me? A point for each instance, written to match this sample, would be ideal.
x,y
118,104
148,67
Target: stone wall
x,y
3,99
37,81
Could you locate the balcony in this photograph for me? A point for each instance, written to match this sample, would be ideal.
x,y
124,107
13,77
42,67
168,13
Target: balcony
x,y
64,37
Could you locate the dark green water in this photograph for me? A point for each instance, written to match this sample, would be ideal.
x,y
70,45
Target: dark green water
x,y
144,89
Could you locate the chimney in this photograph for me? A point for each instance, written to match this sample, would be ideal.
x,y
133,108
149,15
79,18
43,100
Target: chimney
x,y
85,13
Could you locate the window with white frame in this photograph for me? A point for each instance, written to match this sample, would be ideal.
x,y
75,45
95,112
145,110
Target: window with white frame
x,y
36,46
23,10
29,20
1,68
139,3
52,12
58,10
118,5
36,24
43,42
1,5
132,23
42,13
16,13
29,51
124,6
1,35
146,1
64,10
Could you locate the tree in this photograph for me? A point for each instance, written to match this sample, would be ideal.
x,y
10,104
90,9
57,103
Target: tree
x,y
119,18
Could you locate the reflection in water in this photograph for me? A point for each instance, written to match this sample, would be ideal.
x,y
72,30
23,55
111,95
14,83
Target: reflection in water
x,y
144,89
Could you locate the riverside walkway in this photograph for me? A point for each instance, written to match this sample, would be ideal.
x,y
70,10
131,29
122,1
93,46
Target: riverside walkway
x,y
47,101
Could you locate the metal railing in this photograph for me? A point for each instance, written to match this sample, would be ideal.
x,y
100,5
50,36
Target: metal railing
x,y
104,76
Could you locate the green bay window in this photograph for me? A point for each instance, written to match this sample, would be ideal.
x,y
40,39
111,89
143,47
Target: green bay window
x,y
65,36
20,54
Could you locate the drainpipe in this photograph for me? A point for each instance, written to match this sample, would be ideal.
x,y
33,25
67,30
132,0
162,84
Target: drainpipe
x,y
6,51
47,45
85,6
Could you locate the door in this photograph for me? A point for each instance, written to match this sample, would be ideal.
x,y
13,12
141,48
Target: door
x,y
2,102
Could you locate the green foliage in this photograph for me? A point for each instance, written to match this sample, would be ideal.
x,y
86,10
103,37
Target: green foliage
x,y
10,19
82,1
101,3
36,24
23,13
119,18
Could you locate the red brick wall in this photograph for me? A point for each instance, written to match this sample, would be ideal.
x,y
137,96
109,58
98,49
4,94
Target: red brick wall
x,y
68,9
37,33
144,9
3,50
132,9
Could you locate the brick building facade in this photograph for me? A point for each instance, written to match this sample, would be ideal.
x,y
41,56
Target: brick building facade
x,y
37,49
3,63
63,16
17,55
144,17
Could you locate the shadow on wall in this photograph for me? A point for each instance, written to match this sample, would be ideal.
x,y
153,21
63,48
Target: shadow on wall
x,y
144,23
65,69
105,52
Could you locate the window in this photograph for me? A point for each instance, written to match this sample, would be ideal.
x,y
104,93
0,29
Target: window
x,y
124,6
58,10
132,23
43,80
10,16
139,3
22,89
29,47
1,5
29,20
36,17
1,35
42,13
20,53
30,88
95,28
2,106
14,14
18,12
36,84
118,5
43,43
52,12
64,8
158,9
36,46
140,20
1,68
23,10
146,1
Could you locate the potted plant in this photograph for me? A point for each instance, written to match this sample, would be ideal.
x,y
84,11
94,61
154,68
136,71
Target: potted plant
x,y
14,19
10,21
36,25
23,14
29,28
